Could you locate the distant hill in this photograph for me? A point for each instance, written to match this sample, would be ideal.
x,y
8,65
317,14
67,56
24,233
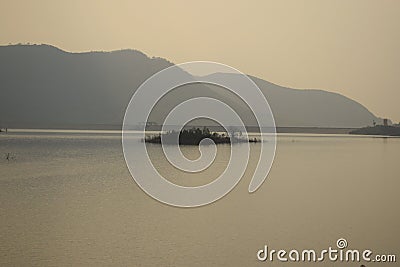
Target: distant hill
x,y
313,108
43,86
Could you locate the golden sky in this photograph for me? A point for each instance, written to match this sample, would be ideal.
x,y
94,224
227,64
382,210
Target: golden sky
x,y
345,46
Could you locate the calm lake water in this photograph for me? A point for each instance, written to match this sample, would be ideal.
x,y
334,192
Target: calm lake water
x,y
67,199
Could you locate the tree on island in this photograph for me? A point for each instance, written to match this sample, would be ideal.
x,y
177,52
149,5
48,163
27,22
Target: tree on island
x,y
194,136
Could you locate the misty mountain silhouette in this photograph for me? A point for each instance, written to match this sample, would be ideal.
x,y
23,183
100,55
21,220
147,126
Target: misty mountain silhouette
x,y
43,86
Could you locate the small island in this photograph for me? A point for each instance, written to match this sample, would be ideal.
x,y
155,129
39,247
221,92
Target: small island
x,y
378,130
195,135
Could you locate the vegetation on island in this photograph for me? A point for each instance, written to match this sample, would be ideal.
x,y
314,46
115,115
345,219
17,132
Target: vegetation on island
x,y
195,135
378,130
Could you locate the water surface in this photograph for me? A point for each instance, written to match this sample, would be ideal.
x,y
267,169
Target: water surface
x,y
67,199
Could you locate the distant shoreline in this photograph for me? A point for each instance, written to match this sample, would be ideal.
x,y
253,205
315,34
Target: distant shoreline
x,y
381,130
305,130
319,132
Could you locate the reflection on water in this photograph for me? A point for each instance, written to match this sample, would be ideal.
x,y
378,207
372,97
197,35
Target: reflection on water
x,y
67,199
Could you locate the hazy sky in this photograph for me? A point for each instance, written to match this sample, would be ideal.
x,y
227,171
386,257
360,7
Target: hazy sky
x,y
346,46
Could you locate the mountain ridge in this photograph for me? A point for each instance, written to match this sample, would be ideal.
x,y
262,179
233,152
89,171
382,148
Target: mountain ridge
x,y
44,86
